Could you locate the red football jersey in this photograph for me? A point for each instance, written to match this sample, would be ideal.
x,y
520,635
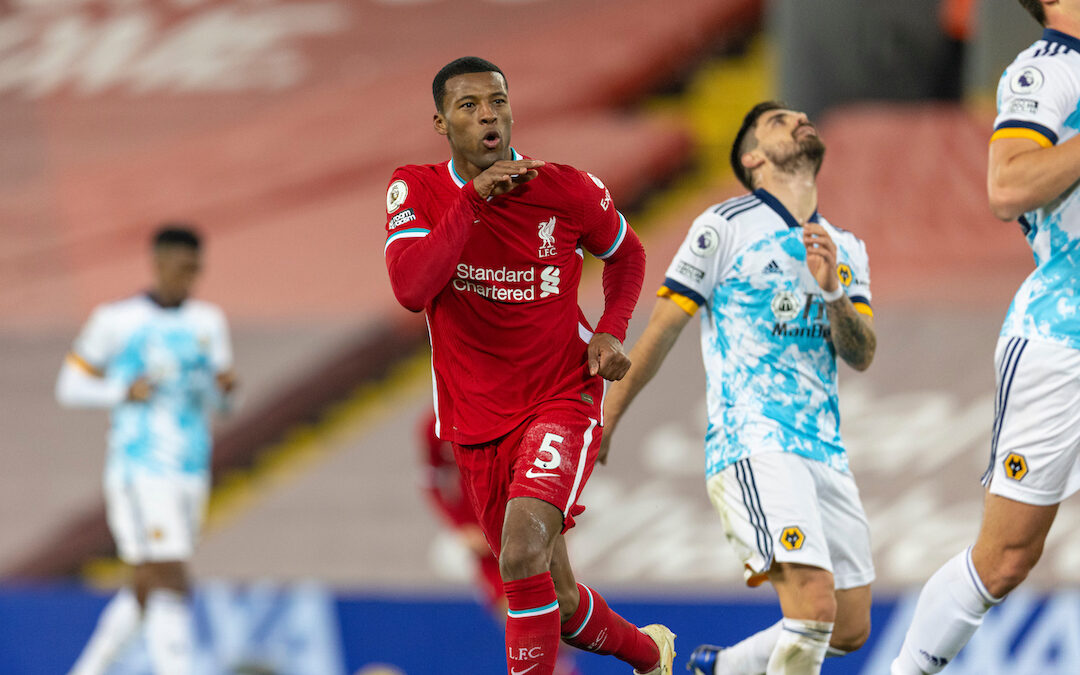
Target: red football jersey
x,y
506,331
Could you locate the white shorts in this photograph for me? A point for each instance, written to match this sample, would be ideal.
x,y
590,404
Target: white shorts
x,y
783,507
1035,446
154,518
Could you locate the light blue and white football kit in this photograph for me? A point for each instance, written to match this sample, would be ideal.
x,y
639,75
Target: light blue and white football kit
x,y
158,466
1035,445
776,467
1035,452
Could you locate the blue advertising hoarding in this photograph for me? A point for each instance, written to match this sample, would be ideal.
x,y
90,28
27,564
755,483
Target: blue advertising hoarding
x,y
306,629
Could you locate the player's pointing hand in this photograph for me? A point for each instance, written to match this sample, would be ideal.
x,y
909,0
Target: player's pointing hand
x,y
607,358
505,175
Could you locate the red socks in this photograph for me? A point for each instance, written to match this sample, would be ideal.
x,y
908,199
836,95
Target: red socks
x,y
532,625
532,629
595,628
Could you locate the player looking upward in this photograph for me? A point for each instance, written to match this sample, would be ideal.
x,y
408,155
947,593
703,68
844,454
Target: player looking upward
x,y
1034,166
160,361
784,292
490,246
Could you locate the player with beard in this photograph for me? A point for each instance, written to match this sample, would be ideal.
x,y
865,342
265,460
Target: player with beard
x,y
784,293
490,245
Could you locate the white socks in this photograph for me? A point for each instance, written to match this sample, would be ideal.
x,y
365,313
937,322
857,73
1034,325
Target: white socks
x,y
751,656
169,632
117,625
800,648
950,609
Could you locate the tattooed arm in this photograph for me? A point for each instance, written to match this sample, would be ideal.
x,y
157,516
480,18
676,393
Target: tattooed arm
x,y
852,333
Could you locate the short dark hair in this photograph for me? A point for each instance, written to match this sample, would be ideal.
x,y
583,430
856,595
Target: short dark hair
x,y
460,66
177,234
745,141
1035,9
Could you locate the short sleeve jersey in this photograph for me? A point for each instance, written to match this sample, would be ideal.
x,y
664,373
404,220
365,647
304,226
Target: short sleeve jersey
x,y
507,334
180,350
770,368
1038,98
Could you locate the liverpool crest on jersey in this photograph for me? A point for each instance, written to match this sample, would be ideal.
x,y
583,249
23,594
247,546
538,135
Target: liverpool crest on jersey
x,y
546,232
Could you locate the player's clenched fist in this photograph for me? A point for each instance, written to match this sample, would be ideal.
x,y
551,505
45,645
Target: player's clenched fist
x,y
820,256
607,358
140,390
505,175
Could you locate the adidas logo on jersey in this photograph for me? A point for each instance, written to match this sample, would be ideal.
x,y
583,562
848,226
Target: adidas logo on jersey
x,y
772,268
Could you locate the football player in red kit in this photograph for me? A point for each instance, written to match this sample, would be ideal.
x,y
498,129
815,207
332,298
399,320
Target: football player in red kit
x,y
445,490
490,244
443,485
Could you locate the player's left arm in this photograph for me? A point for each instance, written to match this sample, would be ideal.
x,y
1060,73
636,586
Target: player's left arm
x,y
852,331
221,359
608,236
624,272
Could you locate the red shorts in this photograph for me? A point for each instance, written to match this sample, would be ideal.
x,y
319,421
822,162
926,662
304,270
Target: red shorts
x,y
549,456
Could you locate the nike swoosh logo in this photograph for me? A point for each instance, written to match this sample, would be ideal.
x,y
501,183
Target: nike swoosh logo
x,y
515,671
532,473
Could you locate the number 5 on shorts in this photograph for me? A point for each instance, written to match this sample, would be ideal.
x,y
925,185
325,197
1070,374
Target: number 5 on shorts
x,y
548,448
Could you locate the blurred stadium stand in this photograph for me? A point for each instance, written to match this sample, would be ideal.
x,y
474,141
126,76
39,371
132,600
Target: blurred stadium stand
x,y
275,126
289,185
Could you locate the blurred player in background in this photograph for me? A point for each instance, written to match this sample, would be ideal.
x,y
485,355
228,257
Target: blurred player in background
x,y
444,488
784,293
490,244
446,492
160,361
1033,171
